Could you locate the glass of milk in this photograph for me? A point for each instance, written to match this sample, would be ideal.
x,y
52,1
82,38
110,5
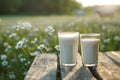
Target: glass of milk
x,y
90,48
68,42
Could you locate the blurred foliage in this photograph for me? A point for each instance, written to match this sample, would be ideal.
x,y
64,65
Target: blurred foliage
x,y
38,6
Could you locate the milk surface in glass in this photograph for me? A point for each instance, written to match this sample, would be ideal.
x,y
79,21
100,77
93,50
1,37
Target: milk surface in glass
x,y
68,42
89,50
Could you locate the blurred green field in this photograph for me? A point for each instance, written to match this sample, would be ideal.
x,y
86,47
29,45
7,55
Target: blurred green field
x,y
24,37
37,21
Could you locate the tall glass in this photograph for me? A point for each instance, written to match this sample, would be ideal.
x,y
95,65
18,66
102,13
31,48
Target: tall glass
x,y
90,48
68,42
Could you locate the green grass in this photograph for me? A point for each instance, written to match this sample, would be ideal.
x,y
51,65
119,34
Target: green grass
x,y
35,36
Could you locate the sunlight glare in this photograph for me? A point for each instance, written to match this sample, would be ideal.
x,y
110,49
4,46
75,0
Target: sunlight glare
x,y
99,2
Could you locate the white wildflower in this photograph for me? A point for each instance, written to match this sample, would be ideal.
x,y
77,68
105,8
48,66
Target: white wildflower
x,y
12,75
50,30
30,34
22,60
117,38
7,47
24,73
27,63
22,25
27,25
12,35
106,40
16,27
57,47
24,40
102,47
32,54
34,41
35,53
4,63
6,50
21,43
19,56
6,44
42,46
3,57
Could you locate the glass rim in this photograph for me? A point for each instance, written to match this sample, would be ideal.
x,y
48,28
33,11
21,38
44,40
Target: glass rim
x,y
66,32
90,35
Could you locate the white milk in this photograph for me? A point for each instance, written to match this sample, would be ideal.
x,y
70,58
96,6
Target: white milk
x,y
90,49
68,42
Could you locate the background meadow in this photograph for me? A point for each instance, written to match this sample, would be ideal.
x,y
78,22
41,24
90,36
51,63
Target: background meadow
x,y
22,38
